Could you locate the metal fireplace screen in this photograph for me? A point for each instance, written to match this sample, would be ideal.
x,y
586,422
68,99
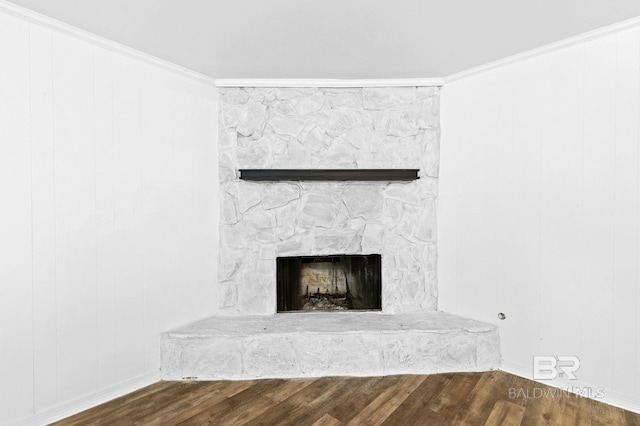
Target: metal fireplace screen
x,y
329,283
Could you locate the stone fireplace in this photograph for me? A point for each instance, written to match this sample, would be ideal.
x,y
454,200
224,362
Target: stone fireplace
x,y
349,128
334,277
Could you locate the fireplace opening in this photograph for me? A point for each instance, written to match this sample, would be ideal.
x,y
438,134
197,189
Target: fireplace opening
x,y
329,283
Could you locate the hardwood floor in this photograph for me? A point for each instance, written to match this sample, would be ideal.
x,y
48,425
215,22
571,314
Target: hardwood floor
x,y
491,398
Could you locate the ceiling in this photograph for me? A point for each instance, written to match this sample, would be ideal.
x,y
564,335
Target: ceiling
x,y
335,38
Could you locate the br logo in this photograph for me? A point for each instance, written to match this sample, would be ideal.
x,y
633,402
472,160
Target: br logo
x,y
550,367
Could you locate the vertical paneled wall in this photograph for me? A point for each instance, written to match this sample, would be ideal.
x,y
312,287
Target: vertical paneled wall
x,y
539,215
108,217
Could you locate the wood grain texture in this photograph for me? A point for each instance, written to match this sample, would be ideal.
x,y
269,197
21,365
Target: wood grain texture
x,y
439,399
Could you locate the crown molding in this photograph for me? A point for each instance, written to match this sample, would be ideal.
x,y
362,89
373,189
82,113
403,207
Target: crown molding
x,y
329,83
32,17
548,48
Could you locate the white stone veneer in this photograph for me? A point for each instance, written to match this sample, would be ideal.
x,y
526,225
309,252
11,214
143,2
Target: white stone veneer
x,y
328,128
325,344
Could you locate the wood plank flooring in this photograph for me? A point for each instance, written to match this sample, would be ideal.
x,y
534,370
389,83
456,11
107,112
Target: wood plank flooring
x,y
440,399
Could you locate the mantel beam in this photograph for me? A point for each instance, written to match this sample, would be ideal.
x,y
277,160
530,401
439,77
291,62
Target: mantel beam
x,y
329,174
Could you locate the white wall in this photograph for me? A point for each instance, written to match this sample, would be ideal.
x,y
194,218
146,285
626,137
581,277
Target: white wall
x,y
108,216
539,212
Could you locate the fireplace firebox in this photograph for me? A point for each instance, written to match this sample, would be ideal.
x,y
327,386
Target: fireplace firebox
x,y
329,283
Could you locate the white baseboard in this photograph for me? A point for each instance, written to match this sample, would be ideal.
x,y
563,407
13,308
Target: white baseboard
x,y
611,397
61,411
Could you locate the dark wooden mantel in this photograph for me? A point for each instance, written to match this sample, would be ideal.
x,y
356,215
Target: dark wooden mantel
x,y
329,174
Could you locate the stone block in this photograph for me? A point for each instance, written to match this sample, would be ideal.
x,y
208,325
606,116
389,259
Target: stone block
x,y
228,211
364,200
279,146
296,157
283,107
342,348
231,115
308,104
259,219
294,93
184,359
312,354
312,138
336,241
342,217
425,229
348,98
226,168
230,262
337,156
253,120
392,212
287,214
296,245
411,352
487,357
319,209
413,291
357,138
457,354
249,194
267,252
233,96
269,357
406,192
342,120
286,126
427,91
228,294
373,238
265,95
409,221
430,116
279,194
285,232
254,296
381,98
227,138
229,236
266,235
253,155
402,124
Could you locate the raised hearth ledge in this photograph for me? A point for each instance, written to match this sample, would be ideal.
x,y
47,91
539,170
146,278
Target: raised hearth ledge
x,y
328,344
329,174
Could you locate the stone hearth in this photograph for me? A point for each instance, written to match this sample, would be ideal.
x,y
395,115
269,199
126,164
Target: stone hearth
x,y
322,344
